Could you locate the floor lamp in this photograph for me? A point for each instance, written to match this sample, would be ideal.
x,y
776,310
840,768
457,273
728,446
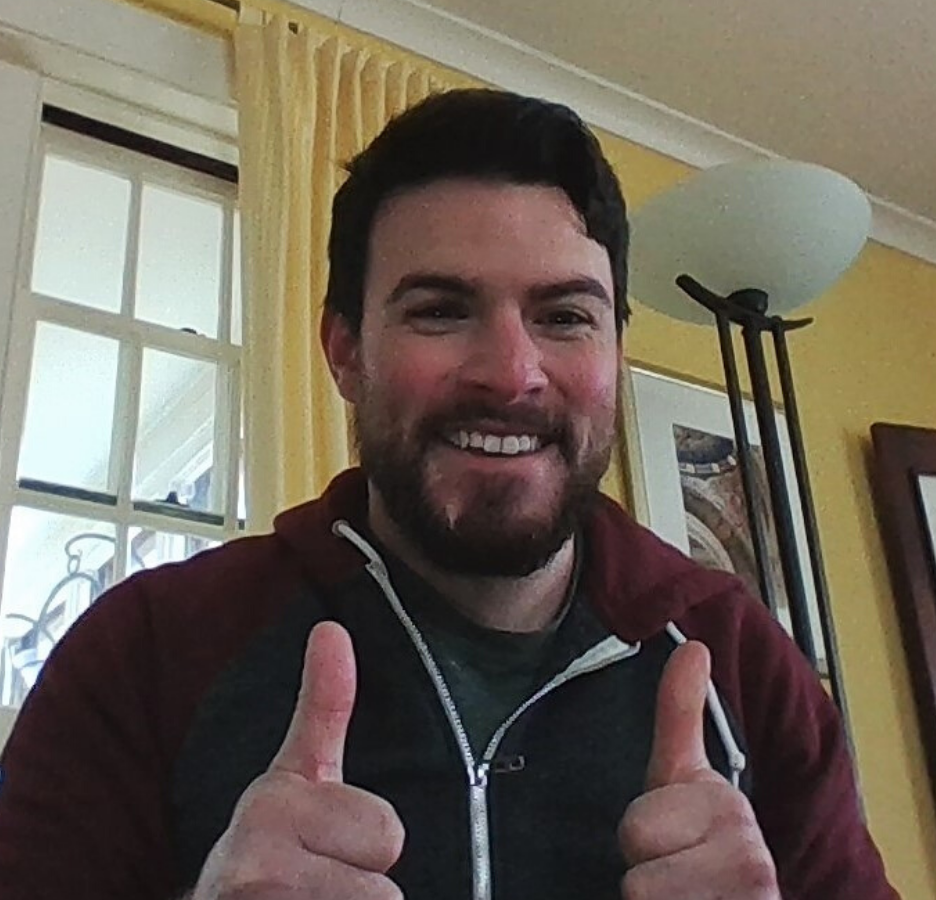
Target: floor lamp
x,y
742,245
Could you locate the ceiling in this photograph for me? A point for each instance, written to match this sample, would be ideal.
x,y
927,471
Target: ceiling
x,y
848,84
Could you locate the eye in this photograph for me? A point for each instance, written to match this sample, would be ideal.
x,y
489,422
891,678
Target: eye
x,y
438,315
444,309
567,319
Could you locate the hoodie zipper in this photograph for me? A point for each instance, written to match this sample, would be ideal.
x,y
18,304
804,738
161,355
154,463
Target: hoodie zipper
x,y
605,653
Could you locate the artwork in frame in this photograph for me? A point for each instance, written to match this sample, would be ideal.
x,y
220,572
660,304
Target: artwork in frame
x,y
685,472
904,476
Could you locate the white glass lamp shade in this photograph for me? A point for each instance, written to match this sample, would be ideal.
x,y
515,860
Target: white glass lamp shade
x,y
788,228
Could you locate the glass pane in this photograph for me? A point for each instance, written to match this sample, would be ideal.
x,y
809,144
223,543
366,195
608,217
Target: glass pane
x,y
82,234
70,410
175,438
56,566
237,311
148,549
179,274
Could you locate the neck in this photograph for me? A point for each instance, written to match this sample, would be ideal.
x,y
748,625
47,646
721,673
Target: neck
x,y
525,603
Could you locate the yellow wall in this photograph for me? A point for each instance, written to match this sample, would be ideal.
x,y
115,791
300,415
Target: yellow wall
x,y
870,356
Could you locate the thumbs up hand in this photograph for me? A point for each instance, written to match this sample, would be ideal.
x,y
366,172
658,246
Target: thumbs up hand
x,y
691,836
298,831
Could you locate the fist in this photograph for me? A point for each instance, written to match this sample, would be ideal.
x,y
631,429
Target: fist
x,y
299,831
691,836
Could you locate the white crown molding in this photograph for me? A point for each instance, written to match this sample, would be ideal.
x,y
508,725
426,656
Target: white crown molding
x,y
496,59
93,49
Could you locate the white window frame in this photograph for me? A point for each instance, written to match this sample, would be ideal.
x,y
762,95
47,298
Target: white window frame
x,y
133,335
127,67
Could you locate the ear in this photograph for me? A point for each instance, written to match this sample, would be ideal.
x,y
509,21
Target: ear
x,y
343,351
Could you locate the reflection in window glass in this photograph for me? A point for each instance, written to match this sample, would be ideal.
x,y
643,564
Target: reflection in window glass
x,y
56,566
179,274
82,234
175,437
148,549
70,408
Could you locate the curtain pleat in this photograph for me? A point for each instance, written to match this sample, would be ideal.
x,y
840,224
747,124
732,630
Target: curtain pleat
x,y
308,101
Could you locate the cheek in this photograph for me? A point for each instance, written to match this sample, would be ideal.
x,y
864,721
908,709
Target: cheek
x,y
591,391
408,377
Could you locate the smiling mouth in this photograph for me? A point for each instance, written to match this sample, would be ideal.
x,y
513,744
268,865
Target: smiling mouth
x,y
495,444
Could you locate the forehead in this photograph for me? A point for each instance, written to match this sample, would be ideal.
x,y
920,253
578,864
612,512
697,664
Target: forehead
x,y
492,231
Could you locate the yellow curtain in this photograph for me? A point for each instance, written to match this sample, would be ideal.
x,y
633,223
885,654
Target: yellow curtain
x,y
309,100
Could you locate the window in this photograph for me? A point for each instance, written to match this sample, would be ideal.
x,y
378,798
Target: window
x,y
119,422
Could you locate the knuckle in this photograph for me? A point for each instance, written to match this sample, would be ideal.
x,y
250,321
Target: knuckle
x,y
388,890
634,829
757,868
257,799
389,830
242,871
635,885
734,810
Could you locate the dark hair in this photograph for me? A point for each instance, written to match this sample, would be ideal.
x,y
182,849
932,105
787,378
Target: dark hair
x,y
475,133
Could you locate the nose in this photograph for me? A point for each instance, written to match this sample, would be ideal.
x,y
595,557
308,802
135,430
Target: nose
x,y
505,362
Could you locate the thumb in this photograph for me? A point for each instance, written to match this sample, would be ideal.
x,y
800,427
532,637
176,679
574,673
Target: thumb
x,y
315,742
678,753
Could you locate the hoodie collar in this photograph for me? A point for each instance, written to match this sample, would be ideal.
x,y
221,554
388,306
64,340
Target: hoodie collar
x,y
635,581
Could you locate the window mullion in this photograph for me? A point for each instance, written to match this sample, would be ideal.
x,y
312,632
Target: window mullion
x,y
129,368
221,474
159,337
132,251
121,552
225,301
232,446
126,425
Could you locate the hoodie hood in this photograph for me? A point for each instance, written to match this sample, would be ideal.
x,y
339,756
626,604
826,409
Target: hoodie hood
x,y
635,581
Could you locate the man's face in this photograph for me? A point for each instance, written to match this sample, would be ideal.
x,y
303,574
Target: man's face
x,y
485,374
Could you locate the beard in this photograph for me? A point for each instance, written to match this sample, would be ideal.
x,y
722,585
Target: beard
x,y
487,537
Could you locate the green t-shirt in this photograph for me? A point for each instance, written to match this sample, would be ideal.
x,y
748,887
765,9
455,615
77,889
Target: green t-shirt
x,y
489,673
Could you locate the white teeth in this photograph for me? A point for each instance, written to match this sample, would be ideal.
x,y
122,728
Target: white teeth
x,y
495,445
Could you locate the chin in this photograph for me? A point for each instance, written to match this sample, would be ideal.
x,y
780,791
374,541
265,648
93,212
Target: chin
x,y
508,505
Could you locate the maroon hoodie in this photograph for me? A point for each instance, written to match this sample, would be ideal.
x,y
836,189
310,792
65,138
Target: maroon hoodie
x,y
84,805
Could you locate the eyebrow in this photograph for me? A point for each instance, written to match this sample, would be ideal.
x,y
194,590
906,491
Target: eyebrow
x,y
580,285
463,287
432,281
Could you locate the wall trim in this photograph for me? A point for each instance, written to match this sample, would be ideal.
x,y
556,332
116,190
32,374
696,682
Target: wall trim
x,y
113,61
84,50
491,57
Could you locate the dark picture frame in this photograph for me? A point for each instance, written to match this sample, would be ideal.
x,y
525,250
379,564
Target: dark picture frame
x,y
904,467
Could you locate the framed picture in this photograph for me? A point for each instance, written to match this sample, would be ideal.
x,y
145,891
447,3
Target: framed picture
x,y
687,485
905,499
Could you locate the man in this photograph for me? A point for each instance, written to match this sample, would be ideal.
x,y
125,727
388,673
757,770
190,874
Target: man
x,y
458,674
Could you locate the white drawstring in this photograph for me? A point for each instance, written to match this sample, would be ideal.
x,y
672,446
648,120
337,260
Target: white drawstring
x,y
736,759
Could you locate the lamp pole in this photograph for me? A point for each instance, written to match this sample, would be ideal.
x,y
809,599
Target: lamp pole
x,y
747,309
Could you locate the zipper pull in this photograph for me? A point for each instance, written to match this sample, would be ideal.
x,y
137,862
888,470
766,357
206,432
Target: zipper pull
x,y
479,776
